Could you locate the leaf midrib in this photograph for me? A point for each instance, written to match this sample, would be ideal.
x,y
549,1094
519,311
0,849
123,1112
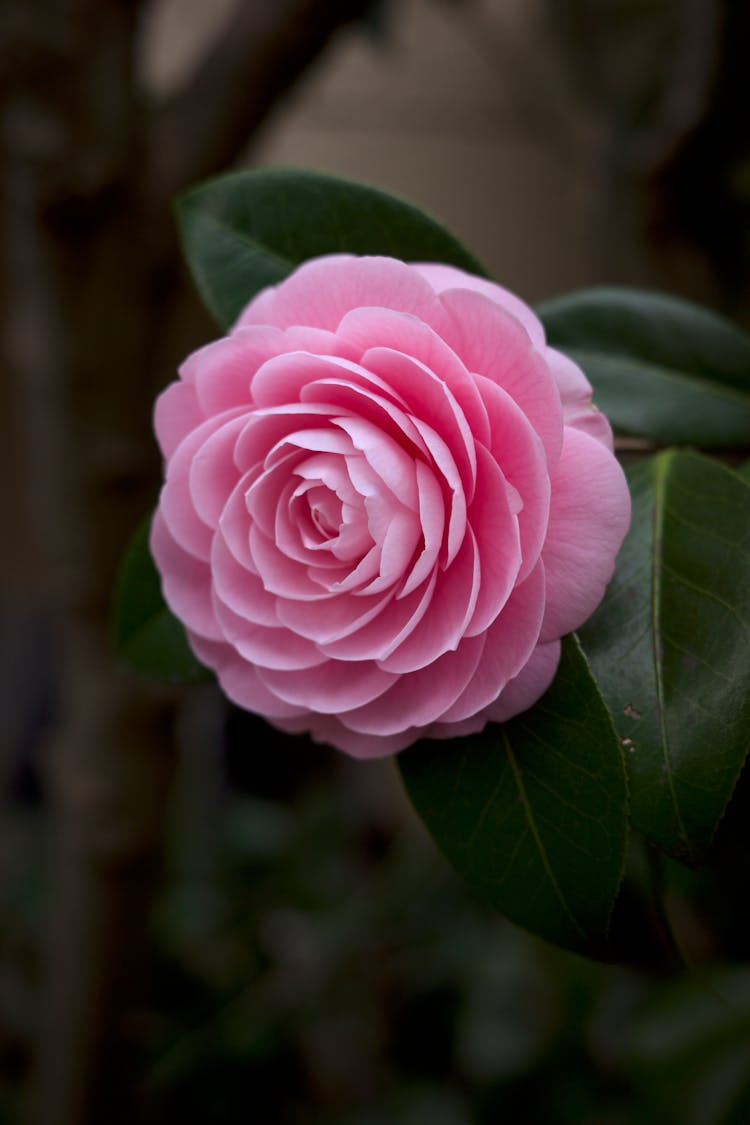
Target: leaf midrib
x,y
538,840
251,241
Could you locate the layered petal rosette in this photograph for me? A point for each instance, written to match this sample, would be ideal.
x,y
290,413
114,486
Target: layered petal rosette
x,y
386,500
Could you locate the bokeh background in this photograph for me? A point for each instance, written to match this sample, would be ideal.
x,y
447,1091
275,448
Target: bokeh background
x,y
202,920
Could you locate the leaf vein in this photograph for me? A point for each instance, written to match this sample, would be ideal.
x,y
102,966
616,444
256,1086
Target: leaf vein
x,y
538,840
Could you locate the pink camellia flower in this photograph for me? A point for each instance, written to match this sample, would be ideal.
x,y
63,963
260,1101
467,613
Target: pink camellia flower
x,y
386,501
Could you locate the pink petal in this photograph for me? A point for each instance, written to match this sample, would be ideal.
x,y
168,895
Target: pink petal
x,y
239,588
589,515
388,460
495,527
176,413
589,419
258,311
223,370
185,581
330,729
261,496
332,471
369,329
356,399
234,524
509,643
321,291
493,343
279,574
457,729
176,504
452,484
399,543
443,626
528,686
421,697
432,523
287,377
302,338
266,428
213,474
442,277
332,687
573,385
269,648
300,530
518,450
575,392
432,401
377,638
241,683
332,617
362,574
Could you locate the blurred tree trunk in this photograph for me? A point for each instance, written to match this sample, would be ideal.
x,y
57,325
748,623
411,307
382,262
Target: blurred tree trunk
x,y
94,316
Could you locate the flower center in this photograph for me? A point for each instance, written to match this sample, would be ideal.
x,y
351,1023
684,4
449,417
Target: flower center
x,y
325,512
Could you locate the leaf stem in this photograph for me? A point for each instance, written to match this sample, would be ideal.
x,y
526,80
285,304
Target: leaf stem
x,y
655,863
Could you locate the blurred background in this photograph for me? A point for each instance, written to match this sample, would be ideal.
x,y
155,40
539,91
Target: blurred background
x,y
202,920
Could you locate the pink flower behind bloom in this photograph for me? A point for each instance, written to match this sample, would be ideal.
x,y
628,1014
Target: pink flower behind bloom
x,y
386,501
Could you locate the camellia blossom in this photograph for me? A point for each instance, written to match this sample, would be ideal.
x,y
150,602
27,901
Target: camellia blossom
x,y
386,501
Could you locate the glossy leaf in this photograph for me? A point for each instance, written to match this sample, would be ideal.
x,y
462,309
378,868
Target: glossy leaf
x,y
147,635
670,647
247,230
661,367
533,813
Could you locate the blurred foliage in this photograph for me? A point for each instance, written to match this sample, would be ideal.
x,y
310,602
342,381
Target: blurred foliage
x,y
315,961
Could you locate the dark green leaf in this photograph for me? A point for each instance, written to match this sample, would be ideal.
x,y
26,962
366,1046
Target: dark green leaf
x,y
147,636
533,813
250,229
670,647
660,366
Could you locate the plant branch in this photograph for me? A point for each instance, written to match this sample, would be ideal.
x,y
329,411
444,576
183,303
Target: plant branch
x,y
267,45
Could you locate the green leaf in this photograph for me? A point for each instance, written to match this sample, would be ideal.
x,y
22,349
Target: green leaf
x,y
661,367
147,635
250,229
533,813
670,647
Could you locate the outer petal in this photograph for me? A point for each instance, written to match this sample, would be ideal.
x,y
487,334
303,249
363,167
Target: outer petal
x,y
528,686
519,452
321,291
325,689
442,277
176,504
176,413
589,515
493,343
509,644
221,372
330,729
240,681
419,698
186,582
575,392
